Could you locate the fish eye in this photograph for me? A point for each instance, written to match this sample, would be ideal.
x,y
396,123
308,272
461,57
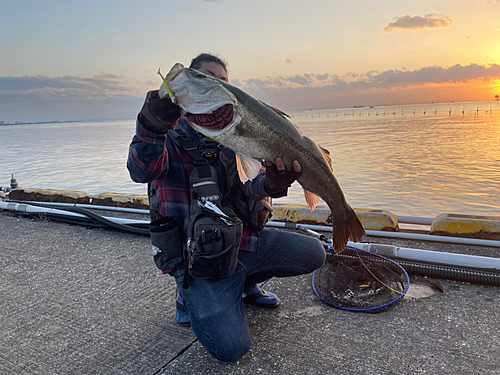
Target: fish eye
x,y
199,75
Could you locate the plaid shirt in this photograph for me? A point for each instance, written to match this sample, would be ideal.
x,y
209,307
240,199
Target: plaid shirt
x,y
158,159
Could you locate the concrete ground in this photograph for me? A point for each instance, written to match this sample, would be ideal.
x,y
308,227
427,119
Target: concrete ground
x,y
77,300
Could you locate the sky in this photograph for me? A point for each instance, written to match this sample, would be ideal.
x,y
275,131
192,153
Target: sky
x,y
87,60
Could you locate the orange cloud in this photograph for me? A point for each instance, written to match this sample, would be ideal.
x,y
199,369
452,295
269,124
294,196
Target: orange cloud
x,y
289,61
429,21
429,84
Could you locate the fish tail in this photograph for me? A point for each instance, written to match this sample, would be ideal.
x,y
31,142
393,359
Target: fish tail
x,y
349,229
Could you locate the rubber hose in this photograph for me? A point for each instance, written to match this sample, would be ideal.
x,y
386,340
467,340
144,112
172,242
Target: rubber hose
x,y
441,271
108,223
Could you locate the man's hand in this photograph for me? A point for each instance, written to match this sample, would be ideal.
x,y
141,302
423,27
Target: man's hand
x,y
159,115
278,178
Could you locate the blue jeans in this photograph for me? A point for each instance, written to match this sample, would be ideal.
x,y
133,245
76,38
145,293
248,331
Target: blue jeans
x,y
216,308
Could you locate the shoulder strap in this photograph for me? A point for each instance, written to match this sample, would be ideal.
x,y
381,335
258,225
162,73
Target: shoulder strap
x,y
185,141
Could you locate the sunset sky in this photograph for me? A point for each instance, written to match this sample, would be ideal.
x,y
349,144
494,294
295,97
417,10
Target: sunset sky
x,y
78,60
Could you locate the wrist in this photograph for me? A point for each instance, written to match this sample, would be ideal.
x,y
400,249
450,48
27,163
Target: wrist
x,y
148,136
273,190
149,126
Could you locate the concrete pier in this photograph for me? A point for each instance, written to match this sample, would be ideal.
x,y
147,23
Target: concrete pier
x,y
78,300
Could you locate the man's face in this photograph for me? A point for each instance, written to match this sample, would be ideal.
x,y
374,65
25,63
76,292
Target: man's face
x,y
214,70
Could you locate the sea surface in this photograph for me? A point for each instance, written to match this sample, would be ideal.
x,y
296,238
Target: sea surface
x,y
414,160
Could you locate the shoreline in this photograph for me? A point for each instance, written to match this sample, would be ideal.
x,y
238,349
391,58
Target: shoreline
x,y
40,123
354,106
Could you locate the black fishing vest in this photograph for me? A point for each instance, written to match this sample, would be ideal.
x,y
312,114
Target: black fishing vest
x,y
254,214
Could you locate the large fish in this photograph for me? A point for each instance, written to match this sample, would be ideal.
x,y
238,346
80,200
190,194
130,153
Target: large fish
x,y
254,130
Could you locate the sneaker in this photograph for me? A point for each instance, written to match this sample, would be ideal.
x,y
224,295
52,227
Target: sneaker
x,y
257,296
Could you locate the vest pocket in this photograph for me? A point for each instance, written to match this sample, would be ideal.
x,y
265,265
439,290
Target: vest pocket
x,y
166,242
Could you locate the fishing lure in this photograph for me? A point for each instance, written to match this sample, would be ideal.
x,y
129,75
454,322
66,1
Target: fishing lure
x,y
170,93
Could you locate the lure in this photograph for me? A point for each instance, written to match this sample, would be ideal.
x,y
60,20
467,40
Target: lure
x,y
170,93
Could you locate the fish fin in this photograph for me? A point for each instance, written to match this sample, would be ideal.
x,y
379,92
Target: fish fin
x,y
327,156
312,199
349,229
278,111
242,132
248,168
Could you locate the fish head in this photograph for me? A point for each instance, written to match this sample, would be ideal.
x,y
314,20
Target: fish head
x,y
205,102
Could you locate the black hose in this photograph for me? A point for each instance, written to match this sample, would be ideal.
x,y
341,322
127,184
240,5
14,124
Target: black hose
x,y
442,271
457,273
108,223
91,219
468,274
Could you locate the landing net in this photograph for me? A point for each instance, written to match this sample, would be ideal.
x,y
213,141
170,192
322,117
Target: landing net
x,y
359,280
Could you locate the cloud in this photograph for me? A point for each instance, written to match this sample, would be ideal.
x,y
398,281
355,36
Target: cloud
x,y
432,83
42,98
429,21
107,76
435,74
298,80
106,95
98,87
289,61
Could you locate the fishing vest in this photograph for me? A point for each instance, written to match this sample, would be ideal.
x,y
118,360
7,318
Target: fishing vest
x,y
214,182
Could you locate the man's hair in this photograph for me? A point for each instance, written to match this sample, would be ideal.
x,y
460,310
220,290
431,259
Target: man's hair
x,y
207,57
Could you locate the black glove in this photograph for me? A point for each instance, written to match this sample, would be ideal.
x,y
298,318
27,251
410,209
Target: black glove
x,y
277,182
159,115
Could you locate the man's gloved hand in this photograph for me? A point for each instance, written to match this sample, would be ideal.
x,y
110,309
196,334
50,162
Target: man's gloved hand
x,y
278,178
159,115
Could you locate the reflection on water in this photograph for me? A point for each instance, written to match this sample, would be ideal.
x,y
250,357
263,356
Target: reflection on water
x,y
395,158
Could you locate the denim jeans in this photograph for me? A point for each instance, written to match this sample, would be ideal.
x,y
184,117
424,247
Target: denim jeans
x,y
216,308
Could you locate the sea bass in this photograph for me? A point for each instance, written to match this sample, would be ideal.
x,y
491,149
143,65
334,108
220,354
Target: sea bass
x,y
256,132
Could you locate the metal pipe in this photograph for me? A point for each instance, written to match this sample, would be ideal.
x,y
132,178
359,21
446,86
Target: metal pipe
x,y
443,258
449,259
93,207
287,225
19,207
408,236
415,220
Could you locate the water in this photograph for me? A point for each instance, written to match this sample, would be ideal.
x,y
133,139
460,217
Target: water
x,y
396,158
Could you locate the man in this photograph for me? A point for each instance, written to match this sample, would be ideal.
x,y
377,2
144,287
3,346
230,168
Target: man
x,y
215,309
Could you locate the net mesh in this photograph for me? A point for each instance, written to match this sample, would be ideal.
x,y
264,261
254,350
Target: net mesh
x,y
360,281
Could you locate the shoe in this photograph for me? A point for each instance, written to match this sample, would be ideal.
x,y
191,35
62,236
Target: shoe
x,y
181,314
259,297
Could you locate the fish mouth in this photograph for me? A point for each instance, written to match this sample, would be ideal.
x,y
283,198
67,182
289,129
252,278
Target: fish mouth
x,y
219,119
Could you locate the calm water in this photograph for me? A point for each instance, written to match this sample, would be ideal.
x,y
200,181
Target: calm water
x,y
418,160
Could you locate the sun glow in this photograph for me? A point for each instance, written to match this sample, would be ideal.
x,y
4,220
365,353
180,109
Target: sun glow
x,y
495,89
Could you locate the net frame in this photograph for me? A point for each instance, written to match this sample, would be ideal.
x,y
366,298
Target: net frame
x,y
378,258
